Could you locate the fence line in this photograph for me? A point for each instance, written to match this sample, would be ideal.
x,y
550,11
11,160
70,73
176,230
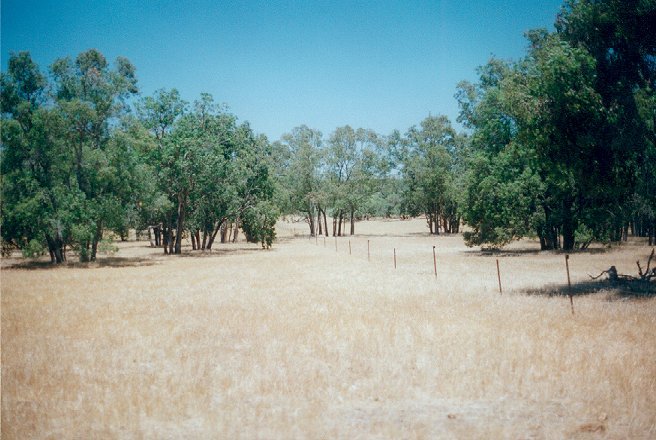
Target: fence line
x,y
434,262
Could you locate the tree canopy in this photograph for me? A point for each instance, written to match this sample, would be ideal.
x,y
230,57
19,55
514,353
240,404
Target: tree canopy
x,y
559,145
77,162
558,138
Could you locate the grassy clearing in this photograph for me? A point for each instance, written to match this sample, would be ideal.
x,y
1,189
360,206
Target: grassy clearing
x,y
304,341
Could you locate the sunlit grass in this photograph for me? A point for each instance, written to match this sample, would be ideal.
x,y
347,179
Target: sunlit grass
x,y
308,342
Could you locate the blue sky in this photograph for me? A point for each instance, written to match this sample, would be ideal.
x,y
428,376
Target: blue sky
x,y
382,65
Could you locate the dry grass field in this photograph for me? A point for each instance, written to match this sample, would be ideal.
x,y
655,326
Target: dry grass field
x,y
309,341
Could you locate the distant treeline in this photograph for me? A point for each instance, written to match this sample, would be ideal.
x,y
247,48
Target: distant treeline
x,y
559,145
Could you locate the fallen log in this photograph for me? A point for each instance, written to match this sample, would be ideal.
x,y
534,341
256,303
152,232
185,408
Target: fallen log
x,y
645,275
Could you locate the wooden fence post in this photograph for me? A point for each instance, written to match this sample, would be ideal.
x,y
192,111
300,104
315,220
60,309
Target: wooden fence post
x,y
569,284
499,277
434,262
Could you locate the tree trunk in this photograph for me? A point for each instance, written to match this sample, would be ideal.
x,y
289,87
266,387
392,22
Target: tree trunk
x,y
352,221
548,233
151,236
218,226
224,232
96,239
236,231
547,239
171,240
84,251
165,239
56,249
94,249
157,232
432,218
325,222
182,203
310,220
319,229
568,226
192,235
339,223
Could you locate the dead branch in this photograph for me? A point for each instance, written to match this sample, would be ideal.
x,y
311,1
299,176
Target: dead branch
x,y
647,275
643,275
611,272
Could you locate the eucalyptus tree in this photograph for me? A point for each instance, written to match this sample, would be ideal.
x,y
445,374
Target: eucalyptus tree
x,y
430,157
557,149
91,97
255,188
644,213
35,201
350,170
562,120
159,114
64,174
301,175
620,36
211,170
532,171
498,198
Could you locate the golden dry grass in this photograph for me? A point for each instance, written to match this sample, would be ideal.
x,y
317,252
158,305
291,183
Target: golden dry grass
x,y
304,341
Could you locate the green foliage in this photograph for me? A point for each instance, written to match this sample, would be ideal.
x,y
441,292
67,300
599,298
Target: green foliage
x,y
560,145
565,127
259,223
300,158
76,164
210,169
31,165
34,249
107,247
90,98
500,201
430,172
353,168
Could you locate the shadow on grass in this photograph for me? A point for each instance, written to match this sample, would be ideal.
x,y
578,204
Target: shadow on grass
x,y
102,262
621,289
216,252
119,262
502,253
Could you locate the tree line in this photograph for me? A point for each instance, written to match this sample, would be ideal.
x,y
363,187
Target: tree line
x,y
83,155
358,173
559,145
562,143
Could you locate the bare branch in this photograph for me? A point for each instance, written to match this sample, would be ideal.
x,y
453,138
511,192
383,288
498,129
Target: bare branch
x,y
598,276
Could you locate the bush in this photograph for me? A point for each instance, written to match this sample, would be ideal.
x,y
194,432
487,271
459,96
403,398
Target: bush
x,y
107,247
34,249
